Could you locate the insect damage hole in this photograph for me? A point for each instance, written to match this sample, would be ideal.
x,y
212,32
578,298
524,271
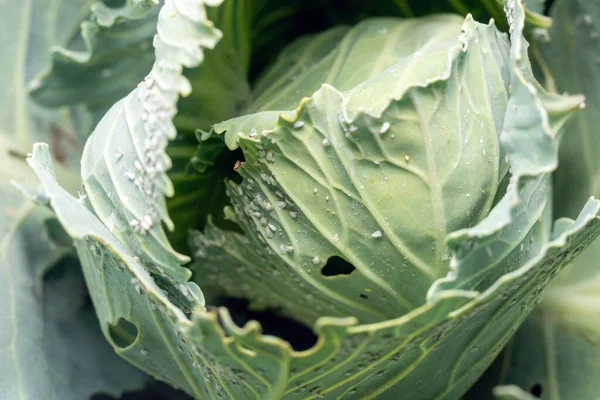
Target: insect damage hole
x,y
124,333
337,266
536,390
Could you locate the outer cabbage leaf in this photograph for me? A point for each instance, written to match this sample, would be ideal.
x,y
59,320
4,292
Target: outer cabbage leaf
x,y
32,27
124,162
46,326
111,55
456,332
52,347
557,349
570,56
553,354
117,55
46,323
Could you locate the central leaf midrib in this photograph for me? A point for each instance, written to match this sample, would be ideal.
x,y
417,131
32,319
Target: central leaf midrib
x,y
435,191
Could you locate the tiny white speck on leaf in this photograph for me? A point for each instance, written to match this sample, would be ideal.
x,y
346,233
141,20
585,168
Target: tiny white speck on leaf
x,y
384,127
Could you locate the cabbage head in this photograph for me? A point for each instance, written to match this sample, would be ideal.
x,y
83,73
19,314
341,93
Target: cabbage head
x,y
385,184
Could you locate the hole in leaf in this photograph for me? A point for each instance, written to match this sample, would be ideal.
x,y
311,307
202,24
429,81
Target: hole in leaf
x,y
124,333
300,336
536,390
337,266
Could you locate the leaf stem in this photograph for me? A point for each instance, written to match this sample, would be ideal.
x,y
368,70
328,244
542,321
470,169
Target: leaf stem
x,y
405,8
460,7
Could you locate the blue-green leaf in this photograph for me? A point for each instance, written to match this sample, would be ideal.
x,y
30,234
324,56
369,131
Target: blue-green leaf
x,y
51,345
557,349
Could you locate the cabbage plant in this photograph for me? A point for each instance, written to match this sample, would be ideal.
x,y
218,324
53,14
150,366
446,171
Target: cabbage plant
x,y
361,206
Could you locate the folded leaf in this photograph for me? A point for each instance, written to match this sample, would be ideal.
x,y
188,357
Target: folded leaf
x,y
556,350
48,332
51,345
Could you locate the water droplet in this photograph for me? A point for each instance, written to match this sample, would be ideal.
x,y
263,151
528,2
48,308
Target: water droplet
x,y
376,234
384,127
